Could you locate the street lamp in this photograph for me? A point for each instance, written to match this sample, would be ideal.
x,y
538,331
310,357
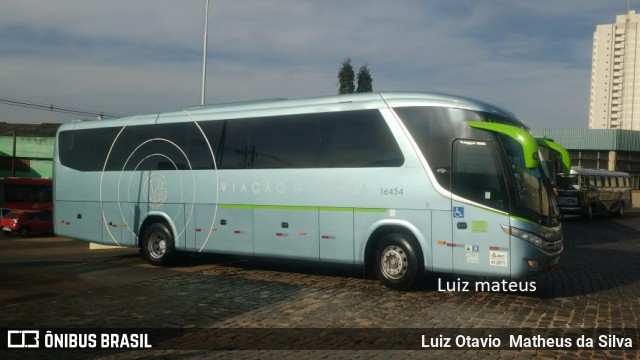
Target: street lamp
x,y
204,52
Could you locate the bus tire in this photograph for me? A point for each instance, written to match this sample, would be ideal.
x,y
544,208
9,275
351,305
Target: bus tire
x,y
24,231
620,212
588,212
397,264
158,246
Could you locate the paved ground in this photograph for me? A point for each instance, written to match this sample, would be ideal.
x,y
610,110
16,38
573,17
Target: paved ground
x,y
57,283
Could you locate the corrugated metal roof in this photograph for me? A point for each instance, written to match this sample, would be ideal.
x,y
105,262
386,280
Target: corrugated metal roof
x,y
44,130
593,139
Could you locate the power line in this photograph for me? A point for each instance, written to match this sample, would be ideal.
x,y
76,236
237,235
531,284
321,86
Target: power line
x,y
60,109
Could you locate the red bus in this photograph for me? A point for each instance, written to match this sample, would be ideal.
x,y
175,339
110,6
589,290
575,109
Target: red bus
x,y
26,193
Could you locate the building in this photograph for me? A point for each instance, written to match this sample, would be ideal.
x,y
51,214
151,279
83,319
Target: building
x,y
615,75
26,150
612,141
608,149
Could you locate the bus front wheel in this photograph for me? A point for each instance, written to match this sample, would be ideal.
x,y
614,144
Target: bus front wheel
x,y
158,246
397,264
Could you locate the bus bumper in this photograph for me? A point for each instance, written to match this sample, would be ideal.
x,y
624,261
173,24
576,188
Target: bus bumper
x,y
529,260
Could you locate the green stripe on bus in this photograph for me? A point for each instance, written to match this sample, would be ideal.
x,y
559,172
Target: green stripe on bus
x,y
236,206
371,210
301,208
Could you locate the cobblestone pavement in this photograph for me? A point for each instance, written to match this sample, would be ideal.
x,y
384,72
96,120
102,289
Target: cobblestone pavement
x,y
597,286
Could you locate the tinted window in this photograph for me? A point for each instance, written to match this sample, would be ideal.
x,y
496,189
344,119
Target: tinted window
x,y
85,150
357,139
177,146
434,129
146,147
326,140
27,192
232,150
476,174
340,139
284,142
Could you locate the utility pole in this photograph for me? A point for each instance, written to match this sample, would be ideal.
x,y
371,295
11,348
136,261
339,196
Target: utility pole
x,y
13,155
204,52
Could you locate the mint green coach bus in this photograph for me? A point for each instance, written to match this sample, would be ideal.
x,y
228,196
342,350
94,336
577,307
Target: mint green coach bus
x,y
400,183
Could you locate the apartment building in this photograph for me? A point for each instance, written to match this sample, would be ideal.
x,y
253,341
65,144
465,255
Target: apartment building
x,y
615,75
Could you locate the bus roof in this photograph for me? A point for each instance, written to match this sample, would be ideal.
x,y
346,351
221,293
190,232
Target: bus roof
x,y
314,104
576,170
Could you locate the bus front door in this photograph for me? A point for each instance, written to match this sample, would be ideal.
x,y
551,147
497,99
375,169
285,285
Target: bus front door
x,y
478,208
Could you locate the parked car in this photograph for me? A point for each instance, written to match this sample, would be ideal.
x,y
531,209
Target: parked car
x,y
3,212
25,222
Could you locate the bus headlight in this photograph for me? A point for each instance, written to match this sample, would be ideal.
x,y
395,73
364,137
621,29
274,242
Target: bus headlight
x,y
524,235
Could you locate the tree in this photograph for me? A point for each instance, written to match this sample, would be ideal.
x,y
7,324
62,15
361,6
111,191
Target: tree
x,y
365,82
346,76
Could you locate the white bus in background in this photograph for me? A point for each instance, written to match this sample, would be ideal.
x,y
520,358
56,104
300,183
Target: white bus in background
x,y
591,191
399,183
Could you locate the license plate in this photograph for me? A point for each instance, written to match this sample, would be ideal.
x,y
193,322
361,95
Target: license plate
x,y
6,229
567,201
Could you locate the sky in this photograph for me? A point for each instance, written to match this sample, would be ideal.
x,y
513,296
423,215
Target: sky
x,y
130,57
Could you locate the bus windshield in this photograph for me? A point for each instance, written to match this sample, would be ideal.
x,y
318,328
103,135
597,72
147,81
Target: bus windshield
x,y
569,182
531,194
534,196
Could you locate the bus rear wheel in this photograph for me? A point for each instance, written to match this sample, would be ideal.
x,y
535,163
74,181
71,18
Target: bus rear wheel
x,y
397,264
620,212
588,211
158,246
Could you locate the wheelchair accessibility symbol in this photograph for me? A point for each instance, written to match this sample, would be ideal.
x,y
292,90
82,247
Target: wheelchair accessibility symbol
x,y
458,212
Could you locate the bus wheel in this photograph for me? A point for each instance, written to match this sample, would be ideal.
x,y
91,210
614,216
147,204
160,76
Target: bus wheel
x,y
396,262
620,212
158,247
588,212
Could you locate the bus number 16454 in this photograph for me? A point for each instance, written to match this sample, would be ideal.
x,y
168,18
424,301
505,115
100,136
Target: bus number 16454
x,y
391,191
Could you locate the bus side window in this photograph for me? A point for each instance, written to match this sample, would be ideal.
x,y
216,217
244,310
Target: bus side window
x,y
476,174
283,142
358,138
233,152
434,129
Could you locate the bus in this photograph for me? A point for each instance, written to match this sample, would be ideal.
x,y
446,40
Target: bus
x,y
555,159
20,193
399,183
591,191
